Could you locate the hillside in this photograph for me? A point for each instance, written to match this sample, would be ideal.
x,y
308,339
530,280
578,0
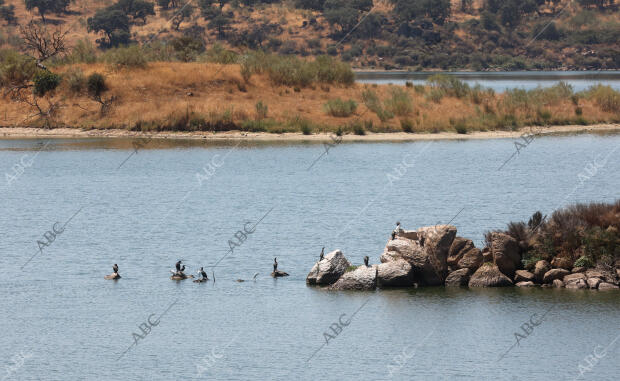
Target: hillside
x,y
389,34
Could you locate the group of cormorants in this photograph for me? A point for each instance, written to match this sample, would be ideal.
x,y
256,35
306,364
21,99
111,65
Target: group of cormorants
x,y
179,272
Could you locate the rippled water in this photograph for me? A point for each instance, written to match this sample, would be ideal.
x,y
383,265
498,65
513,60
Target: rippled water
x,y
68,323
501,81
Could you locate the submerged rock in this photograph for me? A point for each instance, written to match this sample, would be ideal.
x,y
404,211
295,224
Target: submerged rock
x,y
488,275
362,278
607,286
458,277
395,274
112,276
526,284
278,274
328,270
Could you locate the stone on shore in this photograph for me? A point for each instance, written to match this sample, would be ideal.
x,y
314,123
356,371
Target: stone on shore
x,y
578,270
362,278
554,274
607,286
472,259
524,276
593,283
329,270
557,283
577,284
409,234
488,275
526,284
458,278
395,274
604,275
505,253
487,256
574,277
541,269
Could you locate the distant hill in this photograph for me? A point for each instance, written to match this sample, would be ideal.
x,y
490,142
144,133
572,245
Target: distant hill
x,y
386,34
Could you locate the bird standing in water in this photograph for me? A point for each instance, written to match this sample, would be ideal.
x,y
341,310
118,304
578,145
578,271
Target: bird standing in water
x,y
203,274
275,264
366,260
115,268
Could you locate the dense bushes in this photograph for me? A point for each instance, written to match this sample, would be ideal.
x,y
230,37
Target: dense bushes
x,y
339,108
605,97
15,69
587,234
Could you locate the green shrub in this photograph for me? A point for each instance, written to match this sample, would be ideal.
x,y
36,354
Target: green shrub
x,y
460,127
358,129
261,110
83,52
584,261
449,85
218,54
131,56
75,80
45,82
96,85
399,103
15,69
372,102
605,97
339,108
406,125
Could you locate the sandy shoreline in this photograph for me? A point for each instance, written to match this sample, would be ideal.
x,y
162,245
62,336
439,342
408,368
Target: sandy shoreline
x,y
34,133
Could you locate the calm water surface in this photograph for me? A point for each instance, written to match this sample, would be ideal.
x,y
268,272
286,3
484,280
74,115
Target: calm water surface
x,y
70,324
501,81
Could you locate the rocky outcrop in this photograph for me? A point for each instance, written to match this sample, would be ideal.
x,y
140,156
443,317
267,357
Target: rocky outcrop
x,y
328,270
505,252
602,274
487,256
458,277
395,274
554,274
540,270
427,255
577,284
557,283
488,275
362,278
524,276
593,283
472,259
458,248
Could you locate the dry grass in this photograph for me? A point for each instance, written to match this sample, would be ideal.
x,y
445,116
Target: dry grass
x,y
162,90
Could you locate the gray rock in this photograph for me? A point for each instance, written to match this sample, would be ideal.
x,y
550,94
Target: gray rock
x,y
524,276
578,270
278,274
488,275
558,283
505,253
329,270
362,278
526,284
540,269
578,284
555,274
574,277
593,283
607,286
458,277
395,274
409,234
604,275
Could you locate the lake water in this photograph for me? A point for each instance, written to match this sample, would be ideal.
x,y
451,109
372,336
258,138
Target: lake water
x,y
500,81
63,321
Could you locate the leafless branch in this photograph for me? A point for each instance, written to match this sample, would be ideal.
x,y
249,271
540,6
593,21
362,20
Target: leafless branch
x,y
43,44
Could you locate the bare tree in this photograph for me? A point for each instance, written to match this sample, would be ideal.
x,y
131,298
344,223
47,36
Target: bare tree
x,y
41,43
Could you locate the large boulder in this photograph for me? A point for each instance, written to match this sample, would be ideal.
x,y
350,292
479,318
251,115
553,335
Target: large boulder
x,y
505,250
409,234
574,277
558,283
540,270
395,274
427,256
524,276
593,283
458,248
526,284
554,274
362,278
472,259
328,270
488,275
458,277
603,274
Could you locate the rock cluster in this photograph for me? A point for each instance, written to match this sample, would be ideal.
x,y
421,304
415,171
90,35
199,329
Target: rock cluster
x,y
435,255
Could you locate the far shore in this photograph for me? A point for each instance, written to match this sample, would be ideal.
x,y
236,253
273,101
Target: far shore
x,y
34,133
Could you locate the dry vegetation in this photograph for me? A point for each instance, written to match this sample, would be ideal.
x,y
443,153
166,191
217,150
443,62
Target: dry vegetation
x,y
214,97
